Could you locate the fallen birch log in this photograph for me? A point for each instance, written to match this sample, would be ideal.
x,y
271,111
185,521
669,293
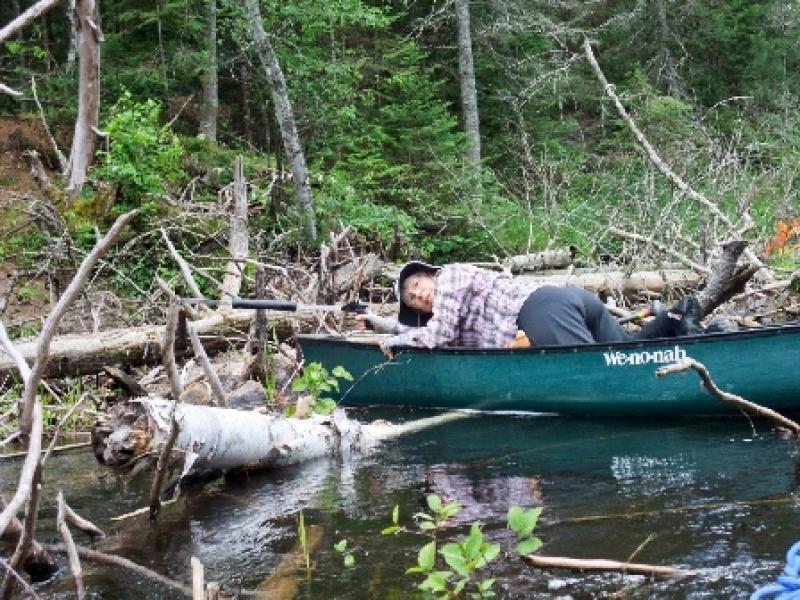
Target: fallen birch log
x,y
221,438
654,282
582,564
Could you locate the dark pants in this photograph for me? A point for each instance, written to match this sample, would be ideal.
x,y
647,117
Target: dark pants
x,y
565,316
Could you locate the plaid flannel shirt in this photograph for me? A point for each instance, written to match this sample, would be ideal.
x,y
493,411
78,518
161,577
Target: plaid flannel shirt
x,y
471,307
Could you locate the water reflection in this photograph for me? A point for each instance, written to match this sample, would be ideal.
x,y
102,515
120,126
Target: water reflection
x,y
713,496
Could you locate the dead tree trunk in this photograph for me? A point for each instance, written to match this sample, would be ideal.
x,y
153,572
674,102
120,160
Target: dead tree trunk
x,y
286,121
469,94
86,124
208,122
221,438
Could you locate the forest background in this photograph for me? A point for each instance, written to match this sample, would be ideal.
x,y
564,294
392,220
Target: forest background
x,y
376,90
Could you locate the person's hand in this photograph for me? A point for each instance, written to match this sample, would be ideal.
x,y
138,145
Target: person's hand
x,y
386,348
376,323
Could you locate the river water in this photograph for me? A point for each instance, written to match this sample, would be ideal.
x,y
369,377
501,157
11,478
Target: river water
x,y
713,496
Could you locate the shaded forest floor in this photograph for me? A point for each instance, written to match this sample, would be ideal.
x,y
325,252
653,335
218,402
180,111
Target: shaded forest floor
x,y
17,189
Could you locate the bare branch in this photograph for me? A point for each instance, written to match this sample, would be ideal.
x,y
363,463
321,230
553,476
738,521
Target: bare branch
x,y
118,561
53,319
653,155
745,405
666,249
579,564
26,476
72,552
186,270
26,17
237,244
4,89
211,374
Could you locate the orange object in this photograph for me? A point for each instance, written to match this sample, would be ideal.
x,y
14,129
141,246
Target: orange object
x,y
787,237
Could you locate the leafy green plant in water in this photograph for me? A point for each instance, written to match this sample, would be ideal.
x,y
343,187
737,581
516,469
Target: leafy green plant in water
x,y
317,380
302,535
523,522
463,558
347,556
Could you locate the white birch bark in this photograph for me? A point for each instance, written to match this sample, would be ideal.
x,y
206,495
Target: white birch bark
x,y
221,438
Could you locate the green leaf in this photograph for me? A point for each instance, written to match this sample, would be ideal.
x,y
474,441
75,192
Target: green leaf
x,y
472,545
454,557
299,385
436,581
529,546
434,502
427,556
342,373
426,525
489,552
390,530
484,585
523,521
449,510
324,406
340,546
396,514
349,561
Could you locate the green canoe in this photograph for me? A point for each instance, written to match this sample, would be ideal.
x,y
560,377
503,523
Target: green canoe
x,y
761,365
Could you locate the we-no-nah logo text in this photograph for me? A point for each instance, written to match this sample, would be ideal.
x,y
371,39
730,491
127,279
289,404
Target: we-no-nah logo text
x,y
643,357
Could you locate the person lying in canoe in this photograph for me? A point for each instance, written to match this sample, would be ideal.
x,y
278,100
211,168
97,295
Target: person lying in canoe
x,y
463,305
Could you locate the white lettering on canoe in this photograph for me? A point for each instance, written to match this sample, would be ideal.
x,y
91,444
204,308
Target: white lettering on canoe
x,y
643,357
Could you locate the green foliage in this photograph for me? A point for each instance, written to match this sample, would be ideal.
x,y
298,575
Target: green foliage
x,y
522,522
347,556
143,157
463,558
315,381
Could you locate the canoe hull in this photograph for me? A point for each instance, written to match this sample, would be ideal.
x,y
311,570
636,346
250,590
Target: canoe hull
x,y
591,380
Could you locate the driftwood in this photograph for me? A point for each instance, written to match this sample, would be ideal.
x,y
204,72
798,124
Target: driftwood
x,y
118,561
220,438
617,281
578,564
549,259
745,405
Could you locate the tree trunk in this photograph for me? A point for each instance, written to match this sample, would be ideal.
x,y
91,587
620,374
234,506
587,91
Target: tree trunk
x,y
469,95
208,124
223,438
86,124
237,239
668,62
285,117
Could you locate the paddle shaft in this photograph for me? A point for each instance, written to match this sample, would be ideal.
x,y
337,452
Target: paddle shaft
x,y
262,303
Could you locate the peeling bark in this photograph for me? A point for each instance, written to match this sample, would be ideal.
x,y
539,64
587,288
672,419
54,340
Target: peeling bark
x,y
220,438
89,38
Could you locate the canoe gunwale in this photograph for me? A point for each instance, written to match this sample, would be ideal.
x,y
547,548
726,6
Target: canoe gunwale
x,y
768,330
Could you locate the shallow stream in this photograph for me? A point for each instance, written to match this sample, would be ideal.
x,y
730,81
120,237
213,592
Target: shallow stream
x,y
707,495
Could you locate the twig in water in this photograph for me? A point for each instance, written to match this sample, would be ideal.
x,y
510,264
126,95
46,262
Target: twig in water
x,y
745,405
72,553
